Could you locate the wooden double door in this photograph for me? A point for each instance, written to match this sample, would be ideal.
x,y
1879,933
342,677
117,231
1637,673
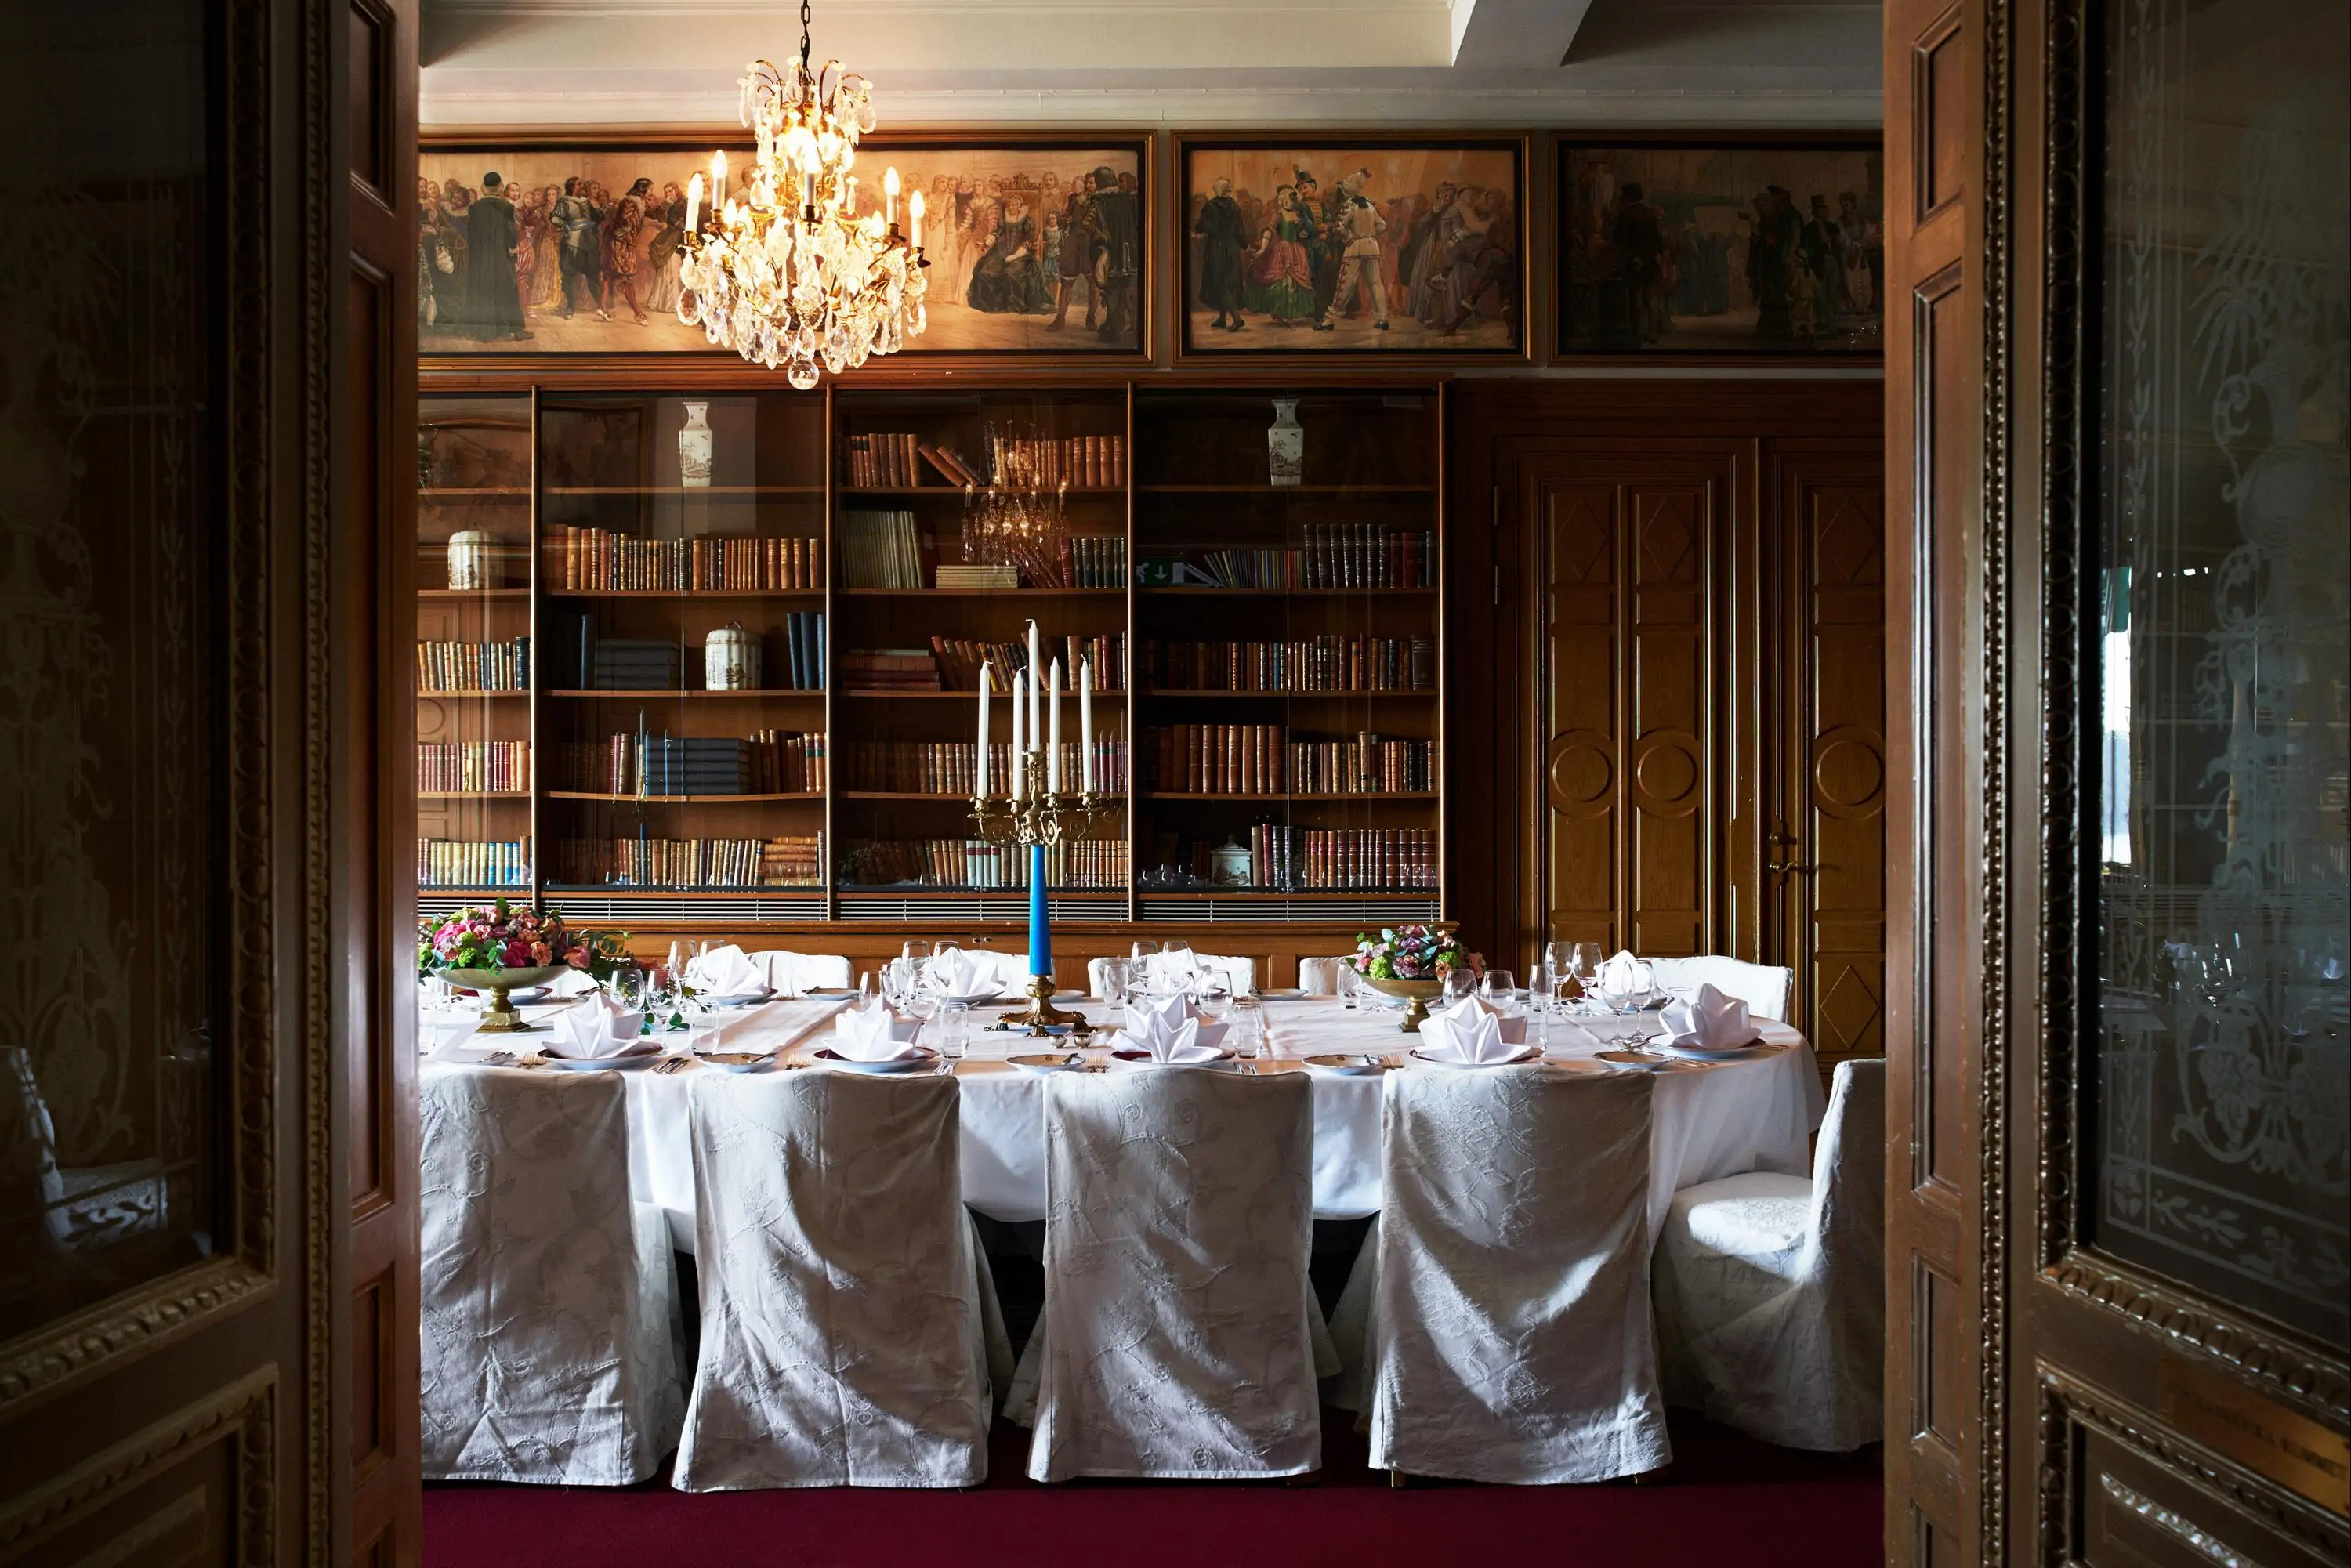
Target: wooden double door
x,y
1695,756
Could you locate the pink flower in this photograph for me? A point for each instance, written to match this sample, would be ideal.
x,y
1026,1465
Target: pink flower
x,y
540,953
577,957
518,953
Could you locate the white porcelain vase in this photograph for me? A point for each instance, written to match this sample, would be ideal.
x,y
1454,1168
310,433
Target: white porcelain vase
x,y
695,448
1285,444
730,660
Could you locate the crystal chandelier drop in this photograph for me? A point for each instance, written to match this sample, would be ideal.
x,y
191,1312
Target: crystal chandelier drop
x,y
790,273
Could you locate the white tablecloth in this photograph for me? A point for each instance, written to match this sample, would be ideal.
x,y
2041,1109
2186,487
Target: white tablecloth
x,y
1708,1122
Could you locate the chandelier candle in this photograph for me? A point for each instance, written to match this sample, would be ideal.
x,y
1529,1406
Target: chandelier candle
x,y
1037,812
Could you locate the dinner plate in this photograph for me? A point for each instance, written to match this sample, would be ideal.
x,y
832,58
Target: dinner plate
x,y
1282,994
1526,1054
1708,1052
739,1061
976,999
529,995
1350,1064
1054,1062
1637,1061
923,1060
630,1062
1141,1061
739,1000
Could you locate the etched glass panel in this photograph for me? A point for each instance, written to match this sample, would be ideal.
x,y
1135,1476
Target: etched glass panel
x,y
2219,1086
110,642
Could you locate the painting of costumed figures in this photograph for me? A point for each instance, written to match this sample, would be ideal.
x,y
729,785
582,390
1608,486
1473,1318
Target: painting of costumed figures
x,y
1339,249
559,251
1722,250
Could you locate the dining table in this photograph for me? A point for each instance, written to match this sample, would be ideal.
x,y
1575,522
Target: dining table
x,y
1756,1112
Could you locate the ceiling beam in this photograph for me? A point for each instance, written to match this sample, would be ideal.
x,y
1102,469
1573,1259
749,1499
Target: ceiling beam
x,y
1522,33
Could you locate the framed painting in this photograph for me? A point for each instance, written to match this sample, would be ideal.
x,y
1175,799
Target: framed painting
x,y
1721,248
1037,248
1361,246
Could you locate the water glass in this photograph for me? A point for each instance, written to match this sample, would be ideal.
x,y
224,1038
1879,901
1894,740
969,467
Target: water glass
x,y
1248,1028
1118,981
1347,979
1458,982
954,1033
1501,988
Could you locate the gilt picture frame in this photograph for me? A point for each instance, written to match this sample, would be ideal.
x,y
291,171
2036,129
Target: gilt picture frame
x,y
1349,247
1039,247
1719,248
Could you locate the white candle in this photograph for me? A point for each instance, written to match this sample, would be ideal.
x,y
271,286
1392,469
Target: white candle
x,y
1086,725
980,786
692,200
1054,735
718,178
1036,673
915,220
1019,734
889,194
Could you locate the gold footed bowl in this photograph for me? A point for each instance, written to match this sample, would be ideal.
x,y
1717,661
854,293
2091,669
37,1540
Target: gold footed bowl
x,y
1420,993
501,1018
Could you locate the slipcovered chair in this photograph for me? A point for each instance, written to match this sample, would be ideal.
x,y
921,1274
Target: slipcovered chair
x,y
1240,973
848,1326
797,974
1179,1329
550,1300
1771,1289
1500,1309
1764,987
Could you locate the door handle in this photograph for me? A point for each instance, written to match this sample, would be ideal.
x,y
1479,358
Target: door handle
x,y
1785,868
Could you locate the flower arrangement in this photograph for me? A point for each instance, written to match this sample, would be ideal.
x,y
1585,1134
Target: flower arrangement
x,y
1414,952
504,935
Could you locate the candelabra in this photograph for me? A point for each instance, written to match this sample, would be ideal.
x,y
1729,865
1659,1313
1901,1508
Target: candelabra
x,y
1039,819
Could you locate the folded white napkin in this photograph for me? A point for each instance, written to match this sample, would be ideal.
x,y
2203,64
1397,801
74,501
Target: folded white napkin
x,y
875,1034
1143,1011
1708,1021
1509,1019
1470,1032
1620,975
598,1026
1173,1040
961,976
726,971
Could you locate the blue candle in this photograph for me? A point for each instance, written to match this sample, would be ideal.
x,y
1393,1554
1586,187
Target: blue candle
x,y
1041,942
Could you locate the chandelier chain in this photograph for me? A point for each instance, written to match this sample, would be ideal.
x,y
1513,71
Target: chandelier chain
x,y
805,18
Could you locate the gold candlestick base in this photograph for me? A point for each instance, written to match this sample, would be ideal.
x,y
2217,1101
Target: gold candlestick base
x,y
1039,1011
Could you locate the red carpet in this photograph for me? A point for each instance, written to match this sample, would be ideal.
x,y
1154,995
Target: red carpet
x,y
1726,1499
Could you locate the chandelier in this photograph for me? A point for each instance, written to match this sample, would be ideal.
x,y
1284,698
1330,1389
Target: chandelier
x,y
791,273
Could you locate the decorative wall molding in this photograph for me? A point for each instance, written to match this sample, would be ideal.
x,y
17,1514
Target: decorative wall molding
x,y
245,1410
2294,1374
1992,1090
113,1333
2067,1401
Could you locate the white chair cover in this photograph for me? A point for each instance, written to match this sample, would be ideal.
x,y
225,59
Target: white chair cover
x,y
797,974
1509,1326
1177,1343
1764,987
1320,977
1240,973
1771,1289
844,1327
548,1299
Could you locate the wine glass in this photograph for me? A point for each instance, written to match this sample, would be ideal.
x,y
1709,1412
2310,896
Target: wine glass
x,y
923,1009
1583,961
1460,983
1500,989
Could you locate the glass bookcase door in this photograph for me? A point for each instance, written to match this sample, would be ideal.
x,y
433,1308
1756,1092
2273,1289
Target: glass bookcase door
x,y
960,519
474,672
1288,743
683,681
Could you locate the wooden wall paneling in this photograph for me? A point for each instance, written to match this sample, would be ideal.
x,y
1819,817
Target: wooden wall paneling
x,y
1826,912
374,627
1939,1313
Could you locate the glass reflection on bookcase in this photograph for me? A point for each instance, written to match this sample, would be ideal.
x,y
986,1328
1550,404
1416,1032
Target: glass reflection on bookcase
x,y
682,544
474,775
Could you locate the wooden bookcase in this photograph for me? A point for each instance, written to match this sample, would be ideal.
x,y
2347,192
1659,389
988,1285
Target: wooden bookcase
x,y
1270,657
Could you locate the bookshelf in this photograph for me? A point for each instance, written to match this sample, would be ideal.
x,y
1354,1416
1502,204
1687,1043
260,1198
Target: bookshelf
x,y
1267,657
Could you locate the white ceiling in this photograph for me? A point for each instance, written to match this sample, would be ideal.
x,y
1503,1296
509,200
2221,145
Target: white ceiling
x,y
1357,63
